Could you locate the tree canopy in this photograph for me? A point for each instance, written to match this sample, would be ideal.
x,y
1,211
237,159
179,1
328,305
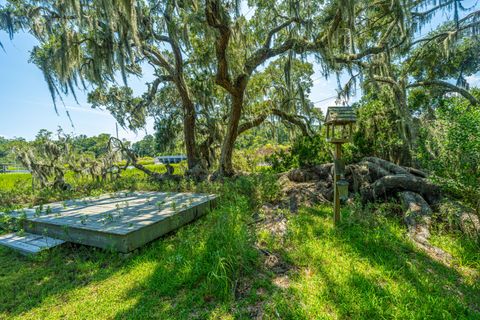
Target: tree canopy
x,y
221,68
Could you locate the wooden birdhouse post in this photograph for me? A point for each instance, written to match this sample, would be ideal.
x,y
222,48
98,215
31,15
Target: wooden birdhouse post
x,y
339,123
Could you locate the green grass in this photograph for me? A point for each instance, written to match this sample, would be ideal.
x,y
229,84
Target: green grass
x,y
187,273
210,269
11,181
368,269
16,188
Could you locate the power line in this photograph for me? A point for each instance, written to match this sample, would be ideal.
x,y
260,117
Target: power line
x,y
314,102
317,78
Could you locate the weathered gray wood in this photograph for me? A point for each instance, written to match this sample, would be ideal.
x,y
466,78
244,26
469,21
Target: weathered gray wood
x,y
120,222
28,243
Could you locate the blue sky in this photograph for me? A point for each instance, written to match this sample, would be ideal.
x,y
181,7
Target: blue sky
x,y
26,105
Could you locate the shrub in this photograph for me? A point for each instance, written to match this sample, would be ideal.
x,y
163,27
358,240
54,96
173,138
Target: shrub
x,y
306,151
449,147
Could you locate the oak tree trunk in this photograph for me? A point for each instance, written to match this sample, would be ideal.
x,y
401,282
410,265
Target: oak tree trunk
x,y
226,165
189,132
189,123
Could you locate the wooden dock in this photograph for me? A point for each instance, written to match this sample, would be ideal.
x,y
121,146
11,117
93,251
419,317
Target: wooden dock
x,y
119,222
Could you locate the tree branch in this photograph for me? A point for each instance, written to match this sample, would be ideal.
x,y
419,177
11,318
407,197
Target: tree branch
x,y
132,157
292,118
251,124
158,58
451,87
172,39
275,30
388,80
216,19
431,10
161,38
445,34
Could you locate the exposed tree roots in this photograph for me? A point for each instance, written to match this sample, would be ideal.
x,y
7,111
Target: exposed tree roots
x,y
375,180
418,218
390,185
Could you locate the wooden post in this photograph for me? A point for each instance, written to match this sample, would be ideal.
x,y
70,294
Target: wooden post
x,y
343,118
337,177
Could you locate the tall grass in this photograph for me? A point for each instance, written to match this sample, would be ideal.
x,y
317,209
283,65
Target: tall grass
x,y
210,269
196,268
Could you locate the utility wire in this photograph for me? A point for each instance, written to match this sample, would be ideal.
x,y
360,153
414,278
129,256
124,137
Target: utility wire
x,y
314,102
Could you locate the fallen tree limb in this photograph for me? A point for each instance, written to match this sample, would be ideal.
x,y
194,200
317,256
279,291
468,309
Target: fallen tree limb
x,y
375,171
416,172
418,215
379,180
360,175
132,158
319,172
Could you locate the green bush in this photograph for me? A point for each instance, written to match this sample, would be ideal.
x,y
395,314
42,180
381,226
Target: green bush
x,y
377,129
306,152
449,147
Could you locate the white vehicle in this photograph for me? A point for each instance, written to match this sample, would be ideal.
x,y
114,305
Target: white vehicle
x,y
169,159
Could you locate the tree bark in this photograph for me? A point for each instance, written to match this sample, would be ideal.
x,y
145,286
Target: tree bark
x,y
390,185
189,124
226,165
416,172
294,119
448,87
387,165
417,215
459,217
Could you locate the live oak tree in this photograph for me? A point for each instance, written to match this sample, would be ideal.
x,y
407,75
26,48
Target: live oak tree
x,y
96,42
204,55
435,64
327,30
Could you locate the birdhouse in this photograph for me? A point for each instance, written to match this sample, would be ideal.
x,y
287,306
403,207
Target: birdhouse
x,y
339,122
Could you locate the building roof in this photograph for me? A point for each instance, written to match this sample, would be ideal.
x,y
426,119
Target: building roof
x,y
340,115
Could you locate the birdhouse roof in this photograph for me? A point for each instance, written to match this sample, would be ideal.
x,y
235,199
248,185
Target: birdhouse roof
x,y
340,115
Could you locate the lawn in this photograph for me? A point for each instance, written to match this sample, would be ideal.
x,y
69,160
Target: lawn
x,y
213,269
11,181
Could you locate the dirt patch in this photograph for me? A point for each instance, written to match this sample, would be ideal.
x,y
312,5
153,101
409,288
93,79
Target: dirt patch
x,y
283,282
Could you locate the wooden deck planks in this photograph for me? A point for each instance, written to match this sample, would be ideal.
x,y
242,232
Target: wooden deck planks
x,y
120,222
28,243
